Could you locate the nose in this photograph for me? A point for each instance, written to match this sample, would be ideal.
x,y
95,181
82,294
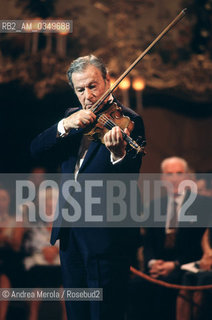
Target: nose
x,y
88,94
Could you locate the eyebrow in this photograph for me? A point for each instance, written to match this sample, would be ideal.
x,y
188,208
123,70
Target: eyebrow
x,y
174,172
89,84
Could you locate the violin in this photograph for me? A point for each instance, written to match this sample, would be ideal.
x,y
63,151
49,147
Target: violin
x,y
110,115
110,118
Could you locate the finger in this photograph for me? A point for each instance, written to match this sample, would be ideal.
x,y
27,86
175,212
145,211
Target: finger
x,y
80,124
82,114
91,115
107,138
86,122
126,131
117,135
121,137
86,117
114,136
110,137
91,118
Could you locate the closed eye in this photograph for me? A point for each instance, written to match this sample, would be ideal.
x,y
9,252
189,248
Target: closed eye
x,y
92,86
80,89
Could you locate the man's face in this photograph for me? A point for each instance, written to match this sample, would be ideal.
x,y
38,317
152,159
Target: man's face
x,y
4,201
89,85
174,172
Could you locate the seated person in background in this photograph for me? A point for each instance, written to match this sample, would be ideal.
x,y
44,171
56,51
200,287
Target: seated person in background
x,y
206,277
10,231
10,240
206,260
42,262
166,248
36,242
196,305
202,188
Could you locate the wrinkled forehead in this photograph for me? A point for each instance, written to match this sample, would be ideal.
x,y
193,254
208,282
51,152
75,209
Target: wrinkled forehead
x,y
174,167
86,76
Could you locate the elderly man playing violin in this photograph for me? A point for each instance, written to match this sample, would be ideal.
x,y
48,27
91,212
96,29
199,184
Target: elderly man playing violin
x,y
97,257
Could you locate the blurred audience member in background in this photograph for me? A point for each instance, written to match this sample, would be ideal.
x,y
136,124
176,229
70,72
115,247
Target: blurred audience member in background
x,y
42,263
11,234
167,248
196,305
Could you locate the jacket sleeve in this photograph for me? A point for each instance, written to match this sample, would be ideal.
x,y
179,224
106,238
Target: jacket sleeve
x,y
48,146
132,162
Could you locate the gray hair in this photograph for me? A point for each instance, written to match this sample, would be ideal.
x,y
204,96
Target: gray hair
x,y
81,63
171,159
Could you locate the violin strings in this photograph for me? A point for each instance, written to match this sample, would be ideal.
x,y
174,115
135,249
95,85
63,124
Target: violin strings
x,y
107,120
103,119
110,123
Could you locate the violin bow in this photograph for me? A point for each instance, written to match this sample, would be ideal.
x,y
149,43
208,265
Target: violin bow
x,y
116,83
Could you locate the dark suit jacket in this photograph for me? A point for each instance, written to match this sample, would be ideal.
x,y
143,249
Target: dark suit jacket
x,y
187,246
97,160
